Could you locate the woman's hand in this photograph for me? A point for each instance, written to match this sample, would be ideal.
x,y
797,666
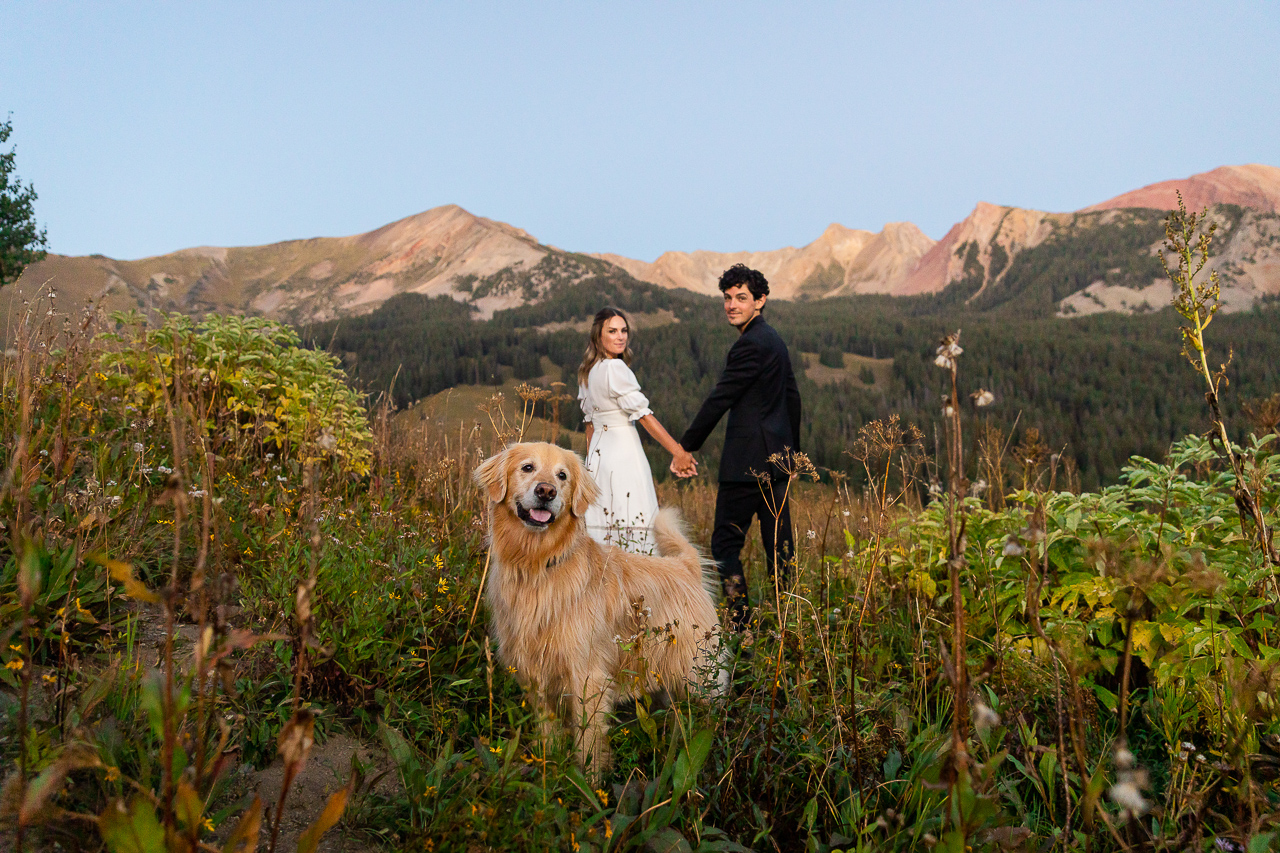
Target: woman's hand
x,y
683,464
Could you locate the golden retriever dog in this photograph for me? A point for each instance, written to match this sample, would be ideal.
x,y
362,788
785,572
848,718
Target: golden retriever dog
x,y
581,623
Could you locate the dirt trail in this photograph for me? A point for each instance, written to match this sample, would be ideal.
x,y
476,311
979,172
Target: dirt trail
x,y
327,770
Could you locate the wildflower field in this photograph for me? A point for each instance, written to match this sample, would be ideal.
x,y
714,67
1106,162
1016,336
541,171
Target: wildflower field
x,y
216,561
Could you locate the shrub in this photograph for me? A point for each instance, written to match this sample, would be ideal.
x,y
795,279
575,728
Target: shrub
x,y
253,379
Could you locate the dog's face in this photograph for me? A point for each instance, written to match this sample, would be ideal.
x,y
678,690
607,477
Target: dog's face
x,y
539,482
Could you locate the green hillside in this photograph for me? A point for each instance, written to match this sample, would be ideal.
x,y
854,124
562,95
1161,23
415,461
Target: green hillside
x,y
1098,388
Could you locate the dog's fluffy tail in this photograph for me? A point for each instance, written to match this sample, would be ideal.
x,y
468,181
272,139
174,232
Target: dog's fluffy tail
x,y
668,530
669,533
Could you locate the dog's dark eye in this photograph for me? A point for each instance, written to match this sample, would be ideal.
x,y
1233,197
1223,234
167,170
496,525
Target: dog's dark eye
x,y
562,475
527,467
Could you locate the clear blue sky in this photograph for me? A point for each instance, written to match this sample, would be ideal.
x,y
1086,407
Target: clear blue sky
x,y
624,127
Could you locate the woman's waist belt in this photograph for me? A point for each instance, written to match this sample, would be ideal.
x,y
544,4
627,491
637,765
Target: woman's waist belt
x,y
610,417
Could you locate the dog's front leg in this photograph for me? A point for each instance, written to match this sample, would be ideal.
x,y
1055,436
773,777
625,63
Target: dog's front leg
x,y
590,710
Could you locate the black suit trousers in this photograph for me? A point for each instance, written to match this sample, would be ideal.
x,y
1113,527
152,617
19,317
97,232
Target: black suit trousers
x,y
736,505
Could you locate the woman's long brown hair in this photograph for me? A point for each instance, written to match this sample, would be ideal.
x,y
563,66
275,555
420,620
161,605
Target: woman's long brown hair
x,y
595,349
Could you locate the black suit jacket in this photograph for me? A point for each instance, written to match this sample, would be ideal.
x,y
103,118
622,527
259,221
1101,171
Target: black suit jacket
x,y
758,390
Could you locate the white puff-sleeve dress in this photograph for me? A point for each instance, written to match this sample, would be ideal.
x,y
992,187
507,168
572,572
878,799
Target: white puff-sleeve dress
x,y
612,402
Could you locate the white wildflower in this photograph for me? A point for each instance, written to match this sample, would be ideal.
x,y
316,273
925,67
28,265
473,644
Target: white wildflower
x,y
281,479
811,534
164,469
984,719
983,398
1128,797
137,447
943,362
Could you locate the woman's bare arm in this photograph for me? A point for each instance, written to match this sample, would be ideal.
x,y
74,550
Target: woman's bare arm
x,y
681,457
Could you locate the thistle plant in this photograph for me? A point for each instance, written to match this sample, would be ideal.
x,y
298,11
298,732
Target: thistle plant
x,y
1188,238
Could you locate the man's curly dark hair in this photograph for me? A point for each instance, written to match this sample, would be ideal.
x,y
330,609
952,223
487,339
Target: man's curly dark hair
x,y
741,274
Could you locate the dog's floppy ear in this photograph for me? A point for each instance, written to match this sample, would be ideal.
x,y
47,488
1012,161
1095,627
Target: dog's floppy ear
x,y
491,475
585,490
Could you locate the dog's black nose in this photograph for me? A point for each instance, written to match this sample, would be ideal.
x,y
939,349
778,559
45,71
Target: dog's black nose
x,y
545,491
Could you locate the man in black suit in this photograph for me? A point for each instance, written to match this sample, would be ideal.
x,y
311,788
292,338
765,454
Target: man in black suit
x,y
758,390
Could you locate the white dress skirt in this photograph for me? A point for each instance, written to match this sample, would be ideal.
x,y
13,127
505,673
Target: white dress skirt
x,y
612,402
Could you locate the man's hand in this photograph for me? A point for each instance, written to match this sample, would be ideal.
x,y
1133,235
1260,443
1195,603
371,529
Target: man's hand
x,y
683,464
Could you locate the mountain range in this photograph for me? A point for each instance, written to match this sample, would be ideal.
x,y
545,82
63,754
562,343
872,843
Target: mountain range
x,y
1101,258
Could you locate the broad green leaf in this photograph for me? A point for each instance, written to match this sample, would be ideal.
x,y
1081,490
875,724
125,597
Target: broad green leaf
x,y
133,828
690,761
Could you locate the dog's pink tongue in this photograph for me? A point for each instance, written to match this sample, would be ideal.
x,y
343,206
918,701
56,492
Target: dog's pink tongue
x,y
541,516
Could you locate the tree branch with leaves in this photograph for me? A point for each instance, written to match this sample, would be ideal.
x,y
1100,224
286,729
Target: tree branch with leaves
x,y
21,242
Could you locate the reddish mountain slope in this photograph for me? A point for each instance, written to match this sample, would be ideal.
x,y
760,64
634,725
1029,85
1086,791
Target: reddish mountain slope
x,y
1252,185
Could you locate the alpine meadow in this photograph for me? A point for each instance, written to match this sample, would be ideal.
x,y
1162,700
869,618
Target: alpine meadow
x,y
1033,606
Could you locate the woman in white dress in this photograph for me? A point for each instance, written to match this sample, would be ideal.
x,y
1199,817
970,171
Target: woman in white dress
x,y
612,403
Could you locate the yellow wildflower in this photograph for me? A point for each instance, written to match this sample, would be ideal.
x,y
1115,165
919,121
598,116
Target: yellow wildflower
x,y
14,665
603,795
113,774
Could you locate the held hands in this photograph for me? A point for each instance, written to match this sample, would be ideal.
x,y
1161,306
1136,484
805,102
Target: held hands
x,y
683,464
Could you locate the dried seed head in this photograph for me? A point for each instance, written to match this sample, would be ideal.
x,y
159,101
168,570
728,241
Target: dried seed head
x,y
297,739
